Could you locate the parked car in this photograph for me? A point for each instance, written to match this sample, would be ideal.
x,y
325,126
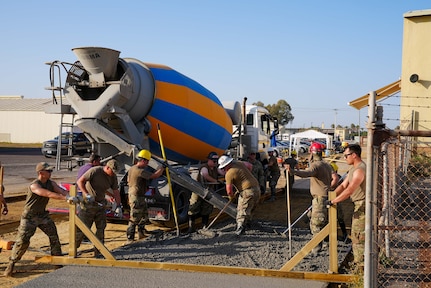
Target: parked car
x,y
302,147
80,145
282,148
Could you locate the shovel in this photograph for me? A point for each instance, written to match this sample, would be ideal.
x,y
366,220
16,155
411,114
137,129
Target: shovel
x,y
205,231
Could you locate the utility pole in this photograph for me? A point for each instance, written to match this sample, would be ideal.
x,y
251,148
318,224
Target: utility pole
x,y
335,124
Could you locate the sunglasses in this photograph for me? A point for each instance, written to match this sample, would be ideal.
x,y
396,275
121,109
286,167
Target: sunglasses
x,y
347,155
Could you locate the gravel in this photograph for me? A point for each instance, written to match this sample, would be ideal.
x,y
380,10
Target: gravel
x,y
259,247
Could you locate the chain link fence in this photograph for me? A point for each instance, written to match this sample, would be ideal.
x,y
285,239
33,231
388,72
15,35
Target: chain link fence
x,y
402,252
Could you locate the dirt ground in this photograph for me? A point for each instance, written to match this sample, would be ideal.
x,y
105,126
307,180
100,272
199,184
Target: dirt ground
x,y
115,235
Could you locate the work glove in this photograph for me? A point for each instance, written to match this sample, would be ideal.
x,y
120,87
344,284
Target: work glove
x,y
231,197
119,212
72,200
89,198
328,203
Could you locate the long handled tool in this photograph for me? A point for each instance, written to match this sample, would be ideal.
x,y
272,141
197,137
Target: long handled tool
x,y
293,224
205,231
288,212
296,221
171,193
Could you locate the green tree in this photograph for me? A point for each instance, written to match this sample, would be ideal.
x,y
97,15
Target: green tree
x,y
281,110
258,103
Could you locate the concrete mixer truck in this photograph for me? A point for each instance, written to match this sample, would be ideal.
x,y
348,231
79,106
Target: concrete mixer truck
x,y
122,105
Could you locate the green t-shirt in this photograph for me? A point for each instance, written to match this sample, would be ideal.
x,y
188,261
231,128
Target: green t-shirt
x,y
98,182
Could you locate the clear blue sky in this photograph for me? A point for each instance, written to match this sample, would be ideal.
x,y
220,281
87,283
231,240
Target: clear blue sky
x,y
317,55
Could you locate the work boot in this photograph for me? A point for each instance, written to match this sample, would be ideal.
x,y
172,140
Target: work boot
x,y
9,269
191,225
205,219
240,229
130,232
142,233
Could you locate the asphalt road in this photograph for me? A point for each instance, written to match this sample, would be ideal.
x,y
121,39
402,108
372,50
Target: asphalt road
x,y
19,169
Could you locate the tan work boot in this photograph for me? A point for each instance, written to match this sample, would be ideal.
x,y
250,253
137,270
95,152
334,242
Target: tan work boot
x,y
9,269
141,235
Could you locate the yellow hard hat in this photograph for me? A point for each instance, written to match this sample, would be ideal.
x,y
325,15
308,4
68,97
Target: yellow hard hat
x,y
344,144
144,154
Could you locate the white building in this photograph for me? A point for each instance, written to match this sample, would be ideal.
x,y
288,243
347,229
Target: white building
x,y
25,121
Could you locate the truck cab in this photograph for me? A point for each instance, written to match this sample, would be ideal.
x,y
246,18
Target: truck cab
x,y
255,133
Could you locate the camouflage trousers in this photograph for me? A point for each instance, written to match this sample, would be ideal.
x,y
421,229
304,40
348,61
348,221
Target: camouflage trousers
x,y
273,180
247,203
27,228
138,215
89,213
358,232
199,206
318,214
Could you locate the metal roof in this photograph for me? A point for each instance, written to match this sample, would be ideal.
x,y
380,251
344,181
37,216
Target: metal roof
x,y
383,92
8,103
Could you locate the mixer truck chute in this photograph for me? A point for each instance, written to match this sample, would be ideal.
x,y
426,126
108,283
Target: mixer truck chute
x,y
119,102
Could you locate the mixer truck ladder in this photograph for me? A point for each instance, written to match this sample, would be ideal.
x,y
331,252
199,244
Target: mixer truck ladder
x,y
63,109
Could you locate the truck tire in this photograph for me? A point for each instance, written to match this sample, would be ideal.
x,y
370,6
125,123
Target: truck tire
x,y
182,199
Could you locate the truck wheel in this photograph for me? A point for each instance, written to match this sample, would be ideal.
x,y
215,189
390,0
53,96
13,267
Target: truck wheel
x,y
182,199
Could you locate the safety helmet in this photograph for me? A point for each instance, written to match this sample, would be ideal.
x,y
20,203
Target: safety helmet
x,y
223,161
271,149
334,167
344,144
144,154
316,148
293,153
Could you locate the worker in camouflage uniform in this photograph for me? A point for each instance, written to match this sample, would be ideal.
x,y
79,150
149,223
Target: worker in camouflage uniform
x,y
138,179
257,171
35,215
273,172
354,187
94,184
239,178
320,173
208,177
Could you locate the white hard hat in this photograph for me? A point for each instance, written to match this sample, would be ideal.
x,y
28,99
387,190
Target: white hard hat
x,y
271,149
223,161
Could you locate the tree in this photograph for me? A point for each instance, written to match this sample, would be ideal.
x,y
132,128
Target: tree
x,y
281,110
258,103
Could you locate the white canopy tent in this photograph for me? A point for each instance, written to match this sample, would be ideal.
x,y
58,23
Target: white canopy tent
x,y
310,134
